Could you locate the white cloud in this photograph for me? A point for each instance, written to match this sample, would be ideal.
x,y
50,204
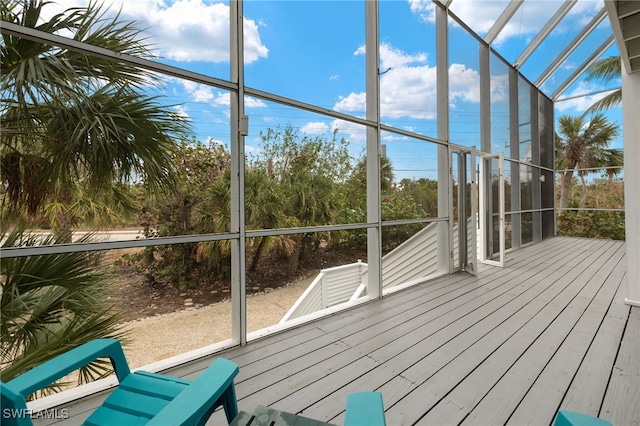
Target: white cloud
x,y
354,133
464,84
581,103
500,88
207,94
353,102
181,110
408,88
250,102
315,128
190,30
424,8
198,92
183,30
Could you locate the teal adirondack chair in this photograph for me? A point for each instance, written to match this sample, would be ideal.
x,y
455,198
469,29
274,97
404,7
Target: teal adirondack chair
x,y
364,409
570,418
141,398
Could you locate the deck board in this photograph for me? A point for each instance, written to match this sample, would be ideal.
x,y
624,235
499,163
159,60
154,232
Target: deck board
x,y
550,330
491,357
586,392
622,402
545,397
465,350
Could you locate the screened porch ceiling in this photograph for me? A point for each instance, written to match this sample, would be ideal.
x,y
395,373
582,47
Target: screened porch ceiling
x,y
552,36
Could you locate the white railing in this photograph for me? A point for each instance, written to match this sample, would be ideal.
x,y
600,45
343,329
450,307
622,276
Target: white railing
x,y
331,287
414,258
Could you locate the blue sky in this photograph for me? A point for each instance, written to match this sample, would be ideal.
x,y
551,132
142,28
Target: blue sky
x,y
313,51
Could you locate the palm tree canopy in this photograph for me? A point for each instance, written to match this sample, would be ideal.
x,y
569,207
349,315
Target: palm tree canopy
x,y
69,118
50,304
582,147
585,144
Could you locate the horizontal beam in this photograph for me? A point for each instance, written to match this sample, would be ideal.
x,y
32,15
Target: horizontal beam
x,y
100,52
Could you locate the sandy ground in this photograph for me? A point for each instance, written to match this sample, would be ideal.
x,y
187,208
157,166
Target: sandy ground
x,y
156,338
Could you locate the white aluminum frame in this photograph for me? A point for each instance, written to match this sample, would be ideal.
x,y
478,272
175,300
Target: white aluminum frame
x,y
485,175
467,250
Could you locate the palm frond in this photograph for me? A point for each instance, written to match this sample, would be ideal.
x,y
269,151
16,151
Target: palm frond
x,y
612,100
50,304
605,70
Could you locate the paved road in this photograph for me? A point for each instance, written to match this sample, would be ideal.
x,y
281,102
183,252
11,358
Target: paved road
x,y
105,235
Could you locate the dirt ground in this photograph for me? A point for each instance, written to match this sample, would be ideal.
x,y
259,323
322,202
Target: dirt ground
x,y
155,338
163,321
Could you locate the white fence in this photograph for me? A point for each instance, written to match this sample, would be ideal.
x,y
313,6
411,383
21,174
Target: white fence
x,y
331,287
415,258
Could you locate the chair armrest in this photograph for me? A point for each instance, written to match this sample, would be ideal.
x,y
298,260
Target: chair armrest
x,y
200,396
58,367
364,409
570,418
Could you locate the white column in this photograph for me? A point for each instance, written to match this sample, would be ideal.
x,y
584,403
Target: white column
x,y
631,135
374,235
238,132
442,75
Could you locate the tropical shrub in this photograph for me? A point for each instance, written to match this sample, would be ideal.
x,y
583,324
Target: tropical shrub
x,y
51,304
592,224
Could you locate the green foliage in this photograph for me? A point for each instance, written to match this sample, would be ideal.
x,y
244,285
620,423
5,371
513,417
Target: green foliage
x,y
424,192
606,70
310,172
51,304
396,206
284,152
198,205
76,129
592,224
582,147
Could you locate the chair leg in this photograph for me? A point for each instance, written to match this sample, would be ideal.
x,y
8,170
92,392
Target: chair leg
x,y
230,403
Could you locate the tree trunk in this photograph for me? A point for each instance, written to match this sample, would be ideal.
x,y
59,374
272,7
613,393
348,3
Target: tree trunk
x,y
63,225
294,258
565,188
258,253
583,200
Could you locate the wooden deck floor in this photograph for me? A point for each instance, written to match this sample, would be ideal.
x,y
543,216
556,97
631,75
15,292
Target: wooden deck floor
x,y
513,345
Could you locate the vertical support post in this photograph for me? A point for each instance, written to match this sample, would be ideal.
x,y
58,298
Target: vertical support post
x,y
473,249
514,137
462,210
484,180
485,99
536,204
631,138
238,132
444,166
374,235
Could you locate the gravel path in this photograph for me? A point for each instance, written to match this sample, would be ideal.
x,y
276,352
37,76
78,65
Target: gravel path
x,y
156,338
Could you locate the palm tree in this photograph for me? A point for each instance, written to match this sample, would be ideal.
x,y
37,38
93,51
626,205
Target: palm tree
x,y
584,144
50,304
76,127
265,205
76,132
606,70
